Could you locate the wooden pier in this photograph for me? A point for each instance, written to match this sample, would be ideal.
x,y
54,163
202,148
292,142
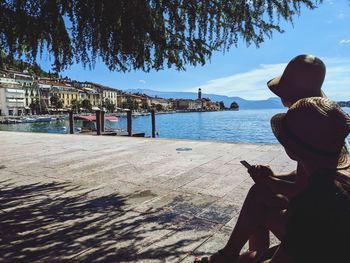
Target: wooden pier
x,y
69,198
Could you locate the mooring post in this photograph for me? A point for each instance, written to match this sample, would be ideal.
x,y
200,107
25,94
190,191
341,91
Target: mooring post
x,y
71,122
153,114
98,122
103,121
128,114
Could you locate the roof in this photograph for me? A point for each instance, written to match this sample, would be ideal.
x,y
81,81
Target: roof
x,y
93,118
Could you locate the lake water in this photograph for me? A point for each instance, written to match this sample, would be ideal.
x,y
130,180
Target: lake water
x,y
252,126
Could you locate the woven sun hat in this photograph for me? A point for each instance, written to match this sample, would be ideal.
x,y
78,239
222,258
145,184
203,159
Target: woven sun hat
x,y
315,129
302,78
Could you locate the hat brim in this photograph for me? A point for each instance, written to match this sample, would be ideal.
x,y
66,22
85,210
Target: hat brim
x,y
280,89
340,163
274,86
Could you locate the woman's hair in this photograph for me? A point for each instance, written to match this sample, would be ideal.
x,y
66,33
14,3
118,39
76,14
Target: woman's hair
x,y
342,183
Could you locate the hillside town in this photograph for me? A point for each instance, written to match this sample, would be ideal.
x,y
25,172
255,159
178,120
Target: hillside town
x,y
22,93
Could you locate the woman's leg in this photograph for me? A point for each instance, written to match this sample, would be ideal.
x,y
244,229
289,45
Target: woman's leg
x,y
260,239
280,257
261,210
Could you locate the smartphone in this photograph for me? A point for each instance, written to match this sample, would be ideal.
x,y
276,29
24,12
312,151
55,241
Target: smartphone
x,y
246,164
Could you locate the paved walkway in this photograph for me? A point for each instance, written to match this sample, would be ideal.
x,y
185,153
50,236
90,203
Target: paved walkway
x,y
70,198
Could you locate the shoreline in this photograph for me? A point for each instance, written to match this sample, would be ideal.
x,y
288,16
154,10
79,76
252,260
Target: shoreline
x,y
146,137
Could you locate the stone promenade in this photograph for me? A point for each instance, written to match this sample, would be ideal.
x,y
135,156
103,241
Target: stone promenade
x,y
75,198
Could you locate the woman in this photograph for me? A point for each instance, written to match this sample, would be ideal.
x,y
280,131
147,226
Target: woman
x,y
313,133
318,217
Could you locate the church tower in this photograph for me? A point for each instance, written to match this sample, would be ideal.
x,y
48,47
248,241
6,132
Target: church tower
x,y
199,93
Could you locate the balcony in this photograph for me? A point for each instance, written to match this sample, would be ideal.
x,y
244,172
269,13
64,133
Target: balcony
x,y
17,103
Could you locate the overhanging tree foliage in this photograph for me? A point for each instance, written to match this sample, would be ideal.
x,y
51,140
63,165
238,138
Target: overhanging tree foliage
x,y
138,34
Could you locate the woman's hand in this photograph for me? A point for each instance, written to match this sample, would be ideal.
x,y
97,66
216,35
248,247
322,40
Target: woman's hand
x,y
260,173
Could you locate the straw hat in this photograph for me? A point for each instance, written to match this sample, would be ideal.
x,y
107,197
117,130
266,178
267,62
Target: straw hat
x,y
314,129
303,77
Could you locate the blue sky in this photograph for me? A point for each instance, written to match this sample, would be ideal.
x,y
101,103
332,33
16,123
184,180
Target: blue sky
x,y
244,71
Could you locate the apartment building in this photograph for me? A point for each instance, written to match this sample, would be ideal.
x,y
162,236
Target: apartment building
x,y
12,97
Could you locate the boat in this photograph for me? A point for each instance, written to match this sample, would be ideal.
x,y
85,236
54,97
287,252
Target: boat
x,y
136,114
11,121
89,122
43,119
28,120
89,125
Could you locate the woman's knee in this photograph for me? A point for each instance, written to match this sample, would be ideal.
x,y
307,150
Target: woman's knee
x,y
257,191
262,194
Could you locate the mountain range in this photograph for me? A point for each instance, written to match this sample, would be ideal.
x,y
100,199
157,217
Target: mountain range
x,y
270,103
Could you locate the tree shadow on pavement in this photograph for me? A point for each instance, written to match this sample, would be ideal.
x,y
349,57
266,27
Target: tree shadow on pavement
x,y
60,222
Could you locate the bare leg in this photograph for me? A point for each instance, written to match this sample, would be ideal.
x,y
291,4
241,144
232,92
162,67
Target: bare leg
x,y
260,239
261,210
259,205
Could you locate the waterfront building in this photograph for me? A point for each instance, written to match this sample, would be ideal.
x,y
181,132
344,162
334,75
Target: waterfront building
x,y
106,93
93,96
132,101
27,81
12,97
207,104
122,100
187,104
23,78
44,91
111,95
213,106
89,91
32,93
65,92
166,104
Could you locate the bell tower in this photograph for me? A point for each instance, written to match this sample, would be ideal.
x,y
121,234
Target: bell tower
x,y
199,93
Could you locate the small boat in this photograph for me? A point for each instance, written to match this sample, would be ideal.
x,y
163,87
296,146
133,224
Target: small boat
x,y
11,121
89,122
93,118
28,120
136,114
43,119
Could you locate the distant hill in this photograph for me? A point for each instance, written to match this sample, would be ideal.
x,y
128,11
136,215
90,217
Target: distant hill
x,y
271,103
344,103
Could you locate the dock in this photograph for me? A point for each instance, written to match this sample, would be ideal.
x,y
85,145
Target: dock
x,y
70,198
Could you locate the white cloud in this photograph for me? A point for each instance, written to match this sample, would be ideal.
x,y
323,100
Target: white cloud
x,y
341,16
249,85
252,84
344,42
142,81
337,81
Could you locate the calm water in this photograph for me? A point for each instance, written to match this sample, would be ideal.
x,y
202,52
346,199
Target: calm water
x,y
233,126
